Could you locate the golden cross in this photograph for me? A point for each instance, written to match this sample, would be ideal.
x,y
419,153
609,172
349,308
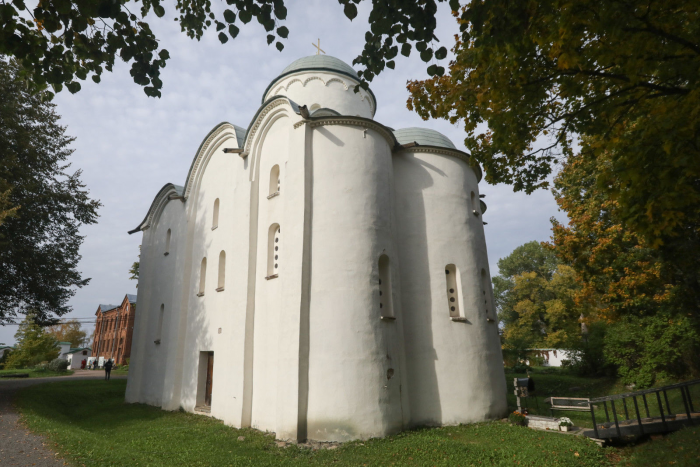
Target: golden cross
x,y
318,47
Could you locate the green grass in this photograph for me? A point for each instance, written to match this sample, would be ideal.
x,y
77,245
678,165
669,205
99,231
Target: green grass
x,y
121,371
679,449
36,373
92,426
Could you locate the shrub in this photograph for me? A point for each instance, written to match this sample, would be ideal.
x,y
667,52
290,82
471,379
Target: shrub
x,y
43,366
520,367
651,350
58,365
516,418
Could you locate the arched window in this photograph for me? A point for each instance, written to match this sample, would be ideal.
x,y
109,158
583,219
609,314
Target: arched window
x,y
215,219
274,189
386,303
159,330
167,242
273,251
486,294
202,277
454,293
222,271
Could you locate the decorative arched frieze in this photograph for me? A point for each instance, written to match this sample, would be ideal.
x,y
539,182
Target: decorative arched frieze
x,y
312,78
337,80
363,97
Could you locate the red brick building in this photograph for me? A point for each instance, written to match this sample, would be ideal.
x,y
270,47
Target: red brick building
x,y
114,329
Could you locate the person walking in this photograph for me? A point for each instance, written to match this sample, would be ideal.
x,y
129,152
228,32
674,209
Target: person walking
x,y
108,368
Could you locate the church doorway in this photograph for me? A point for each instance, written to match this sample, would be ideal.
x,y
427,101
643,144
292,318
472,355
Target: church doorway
x,y
205,381
210,379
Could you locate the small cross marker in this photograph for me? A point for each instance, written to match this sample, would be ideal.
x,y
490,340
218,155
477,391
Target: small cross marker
x,y
318,47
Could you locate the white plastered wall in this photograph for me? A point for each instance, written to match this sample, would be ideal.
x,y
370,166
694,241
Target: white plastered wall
x,y
454,369
351,394
160,281
216,321
328,90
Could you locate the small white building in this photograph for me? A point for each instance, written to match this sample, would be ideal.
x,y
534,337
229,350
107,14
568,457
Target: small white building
x,y
553,357
64,349
76,356
371,313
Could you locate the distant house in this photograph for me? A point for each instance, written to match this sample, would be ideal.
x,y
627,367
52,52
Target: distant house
x,y
552,357
114,328
64,349
76,356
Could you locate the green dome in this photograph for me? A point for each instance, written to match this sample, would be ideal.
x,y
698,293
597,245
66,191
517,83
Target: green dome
x,y
316,62
424,137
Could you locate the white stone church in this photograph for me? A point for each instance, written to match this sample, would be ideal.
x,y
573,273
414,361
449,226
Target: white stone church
x,y
319,275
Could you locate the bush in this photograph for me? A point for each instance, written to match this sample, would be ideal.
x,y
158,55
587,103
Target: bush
x,y
651,350
43,366
516,418
589,359
520,367
58,365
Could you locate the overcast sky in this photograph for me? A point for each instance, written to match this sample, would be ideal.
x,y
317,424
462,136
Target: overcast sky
x,y
129,145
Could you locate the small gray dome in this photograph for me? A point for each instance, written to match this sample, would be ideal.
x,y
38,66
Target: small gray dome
x,y
424,137
320,62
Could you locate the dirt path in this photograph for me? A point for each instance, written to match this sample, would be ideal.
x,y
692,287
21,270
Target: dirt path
x,y
18,446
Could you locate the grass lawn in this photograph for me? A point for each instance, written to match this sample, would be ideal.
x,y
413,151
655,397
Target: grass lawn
x,y
91,425
36,373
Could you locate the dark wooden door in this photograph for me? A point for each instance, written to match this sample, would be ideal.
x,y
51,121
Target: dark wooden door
x,y
210,379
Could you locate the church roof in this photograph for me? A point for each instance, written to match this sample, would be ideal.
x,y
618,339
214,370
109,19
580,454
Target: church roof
x,y
131,297
320,62
104,308
424,137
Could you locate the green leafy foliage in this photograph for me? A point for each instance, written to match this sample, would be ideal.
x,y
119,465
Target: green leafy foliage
x,y
623,74
647,296
39,243
534,295
69,331
63,41
33,345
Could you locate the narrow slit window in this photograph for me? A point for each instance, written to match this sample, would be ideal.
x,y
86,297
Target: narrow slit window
x,y
474,204
273,251
486,296
167,242
222,271
215,219
454,293
159,330
202,277
274,181
386,305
